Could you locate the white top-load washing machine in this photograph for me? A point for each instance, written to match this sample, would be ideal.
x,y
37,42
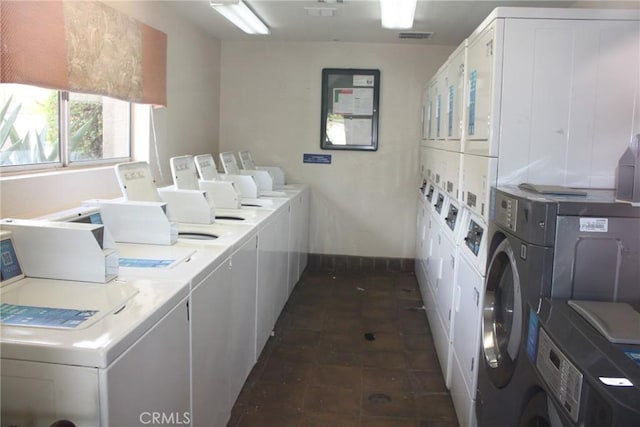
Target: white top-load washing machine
x,y
222,306
280,262
253,211
185,171
221,301
88,352
276,172
299,207
241,190
271,244
222,310
262,178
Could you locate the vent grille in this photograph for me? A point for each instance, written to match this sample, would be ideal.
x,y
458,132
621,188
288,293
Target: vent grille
x,y
415,35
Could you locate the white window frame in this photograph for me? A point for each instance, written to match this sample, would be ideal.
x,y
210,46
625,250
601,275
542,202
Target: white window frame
x,y
65,163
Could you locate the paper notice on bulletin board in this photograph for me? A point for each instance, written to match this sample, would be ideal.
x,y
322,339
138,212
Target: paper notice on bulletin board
x,y
353,101
358,131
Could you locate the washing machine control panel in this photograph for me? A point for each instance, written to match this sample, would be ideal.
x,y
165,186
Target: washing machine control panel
x,y
452,217
423,187
562,377
430,193
506,211
10,270
439,203
474,237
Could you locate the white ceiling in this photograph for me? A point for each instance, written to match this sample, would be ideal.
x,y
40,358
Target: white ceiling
x,y
359,20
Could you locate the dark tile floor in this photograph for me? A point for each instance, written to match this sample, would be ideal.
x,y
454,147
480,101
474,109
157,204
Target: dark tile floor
x,y
350,349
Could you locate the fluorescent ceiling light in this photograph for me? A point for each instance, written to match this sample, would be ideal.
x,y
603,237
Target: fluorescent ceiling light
x,y
397,14
240,15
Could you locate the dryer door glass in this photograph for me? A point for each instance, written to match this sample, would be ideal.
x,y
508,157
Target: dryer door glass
x,y
501,316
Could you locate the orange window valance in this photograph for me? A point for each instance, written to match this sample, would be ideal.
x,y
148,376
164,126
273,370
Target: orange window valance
x,y
82,46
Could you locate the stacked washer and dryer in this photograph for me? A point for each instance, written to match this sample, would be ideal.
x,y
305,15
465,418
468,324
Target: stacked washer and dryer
x,y
555,260
527,97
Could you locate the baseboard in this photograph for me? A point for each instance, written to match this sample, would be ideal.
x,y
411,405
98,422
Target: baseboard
x,y
344,263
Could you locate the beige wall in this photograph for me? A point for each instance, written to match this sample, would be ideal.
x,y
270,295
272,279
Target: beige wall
x,y
189,124
363,203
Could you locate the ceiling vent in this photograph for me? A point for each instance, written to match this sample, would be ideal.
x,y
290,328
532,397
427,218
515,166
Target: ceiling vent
x,y
414,35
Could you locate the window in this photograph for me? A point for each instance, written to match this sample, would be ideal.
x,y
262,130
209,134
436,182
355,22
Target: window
x,y
44,128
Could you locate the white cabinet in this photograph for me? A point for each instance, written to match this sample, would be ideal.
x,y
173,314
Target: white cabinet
x,y
151,377
298,236
223,335
55,392
242,336
273,269
210,330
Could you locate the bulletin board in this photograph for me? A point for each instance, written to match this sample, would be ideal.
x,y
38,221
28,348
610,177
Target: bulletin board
x,y
349,116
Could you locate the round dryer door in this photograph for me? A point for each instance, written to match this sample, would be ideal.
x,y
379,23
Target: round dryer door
x,y
535,412
501,316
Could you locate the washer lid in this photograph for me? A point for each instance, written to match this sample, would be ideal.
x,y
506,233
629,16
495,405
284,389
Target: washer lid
x,y
616,321
61,305
129,308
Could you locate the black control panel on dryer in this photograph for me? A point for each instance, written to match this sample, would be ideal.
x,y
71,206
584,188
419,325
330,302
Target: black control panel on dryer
x,y
439,203
474,237
452,217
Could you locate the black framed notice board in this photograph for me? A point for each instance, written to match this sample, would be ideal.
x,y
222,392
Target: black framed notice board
x,y
349,110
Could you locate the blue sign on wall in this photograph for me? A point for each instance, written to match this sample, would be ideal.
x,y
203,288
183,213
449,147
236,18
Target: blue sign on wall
x,y
324,159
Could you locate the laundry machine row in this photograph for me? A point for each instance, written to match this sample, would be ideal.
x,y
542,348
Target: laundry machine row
x,y
512,46
225,277
451,258
450,263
